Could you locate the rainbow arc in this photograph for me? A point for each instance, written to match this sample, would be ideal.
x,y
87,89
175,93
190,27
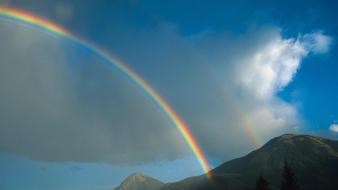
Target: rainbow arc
x,y
178,122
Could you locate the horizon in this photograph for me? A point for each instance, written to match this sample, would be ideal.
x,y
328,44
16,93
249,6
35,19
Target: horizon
x,y
91,92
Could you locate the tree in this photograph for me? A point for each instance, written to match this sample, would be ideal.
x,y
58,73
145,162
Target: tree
x,y
262,184
289,181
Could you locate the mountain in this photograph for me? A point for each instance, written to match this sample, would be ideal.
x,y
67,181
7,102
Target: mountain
x,y
314,161
138,181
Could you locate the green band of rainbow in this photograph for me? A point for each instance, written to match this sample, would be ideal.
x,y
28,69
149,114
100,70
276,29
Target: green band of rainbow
x,y
47,25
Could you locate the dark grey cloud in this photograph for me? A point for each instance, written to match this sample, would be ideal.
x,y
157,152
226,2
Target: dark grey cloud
x,y
60,102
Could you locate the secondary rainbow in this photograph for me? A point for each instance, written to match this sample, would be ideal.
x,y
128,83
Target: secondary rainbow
x,y
33,20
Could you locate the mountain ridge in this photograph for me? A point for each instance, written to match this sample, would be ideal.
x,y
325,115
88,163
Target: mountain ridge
x,y
138,181
313,159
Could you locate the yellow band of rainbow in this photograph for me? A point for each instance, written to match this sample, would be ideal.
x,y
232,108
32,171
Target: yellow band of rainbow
x,y
178,122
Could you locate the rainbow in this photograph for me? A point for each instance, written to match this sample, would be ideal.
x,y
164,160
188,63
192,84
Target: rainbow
x,y
46,25
244,122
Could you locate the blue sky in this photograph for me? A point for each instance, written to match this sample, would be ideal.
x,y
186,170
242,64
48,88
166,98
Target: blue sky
x,y
224,66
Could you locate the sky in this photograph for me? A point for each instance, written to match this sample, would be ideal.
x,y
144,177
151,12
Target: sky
x,y
238,72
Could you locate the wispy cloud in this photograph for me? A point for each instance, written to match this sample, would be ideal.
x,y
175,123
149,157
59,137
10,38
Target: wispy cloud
x,y
317,42
76,168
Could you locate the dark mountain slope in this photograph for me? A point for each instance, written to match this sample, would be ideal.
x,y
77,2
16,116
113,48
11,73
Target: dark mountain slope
x,y
313,159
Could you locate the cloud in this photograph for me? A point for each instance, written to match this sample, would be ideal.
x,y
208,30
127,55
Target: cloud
x,y
271,67
333,128
226,86
317,42
61,105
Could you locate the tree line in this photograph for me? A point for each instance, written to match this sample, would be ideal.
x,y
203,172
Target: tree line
x,y
289,181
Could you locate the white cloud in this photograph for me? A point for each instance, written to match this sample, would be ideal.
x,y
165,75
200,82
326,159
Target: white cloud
x,y
266,70
273,65
334,128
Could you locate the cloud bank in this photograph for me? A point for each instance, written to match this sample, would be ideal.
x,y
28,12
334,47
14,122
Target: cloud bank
x,y
59,104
